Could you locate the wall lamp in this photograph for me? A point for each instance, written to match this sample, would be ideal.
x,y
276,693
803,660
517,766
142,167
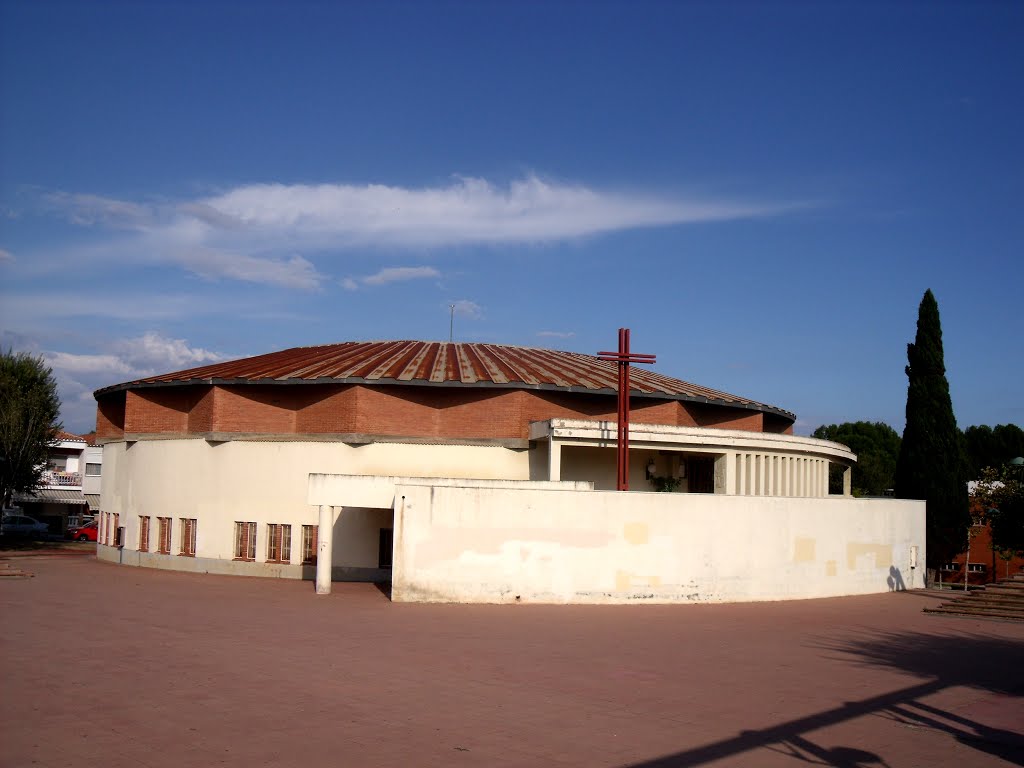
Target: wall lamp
x,y
651,469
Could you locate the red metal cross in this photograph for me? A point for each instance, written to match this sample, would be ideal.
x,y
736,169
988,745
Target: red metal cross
x,y
624,357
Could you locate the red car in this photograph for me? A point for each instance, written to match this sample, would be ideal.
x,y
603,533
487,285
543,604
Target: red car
x,y
85,532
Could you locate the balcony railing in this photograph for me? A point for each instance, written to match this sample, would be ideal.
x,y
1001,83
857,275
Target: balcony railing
x,y
55,478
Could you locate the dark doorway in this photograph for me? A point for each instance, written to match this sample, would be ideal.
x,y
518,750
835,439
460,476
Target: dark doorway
x,y
700,474
385,549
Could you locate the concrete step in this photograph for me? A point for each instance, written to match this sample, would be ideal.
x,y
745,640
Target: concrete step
x,y
956,610
982,605
1003,600
982,602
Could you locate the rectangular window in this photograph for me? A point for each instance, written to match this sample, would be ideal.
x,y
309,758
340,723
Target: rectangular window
x,y
245,541
92,470
309,543
188,537
279,543
118,531
163,545
143,533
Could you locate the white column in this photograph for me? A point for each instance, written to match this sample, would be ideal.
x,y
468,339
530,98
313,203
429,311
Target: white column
x,y
324,534
847,481
554,460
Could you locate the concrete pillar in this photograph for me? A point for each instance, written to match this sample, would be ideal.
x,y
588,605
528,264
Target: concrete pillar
x,y
847,481
723,474
325,547
554,460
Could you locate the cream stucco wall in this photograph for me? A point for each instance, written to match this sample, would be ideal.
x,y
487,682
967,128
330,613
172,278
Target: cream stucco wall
x,y
267,482
506,545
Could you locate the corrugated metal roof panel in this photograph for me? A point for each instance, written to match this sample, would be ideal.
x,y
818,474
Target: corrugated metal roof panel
x,y
53,495
438,362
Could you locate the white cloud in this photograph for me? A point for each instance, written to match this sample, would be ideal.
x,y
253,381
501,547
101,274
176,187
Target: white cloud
x,y
467,211
390,275
88,210
467,308
557,334
66,362
293,272
6,256
133,358
267,233
400,274
155,352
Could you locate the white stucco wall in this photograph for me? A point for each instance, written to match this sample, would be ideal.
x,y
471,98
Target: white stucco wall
x,y
266,482
503,545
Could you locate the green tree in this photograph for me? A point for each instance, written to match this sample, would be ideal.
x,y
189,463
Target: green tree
x,y
988,447
1000,494
932,464
29,408
877,446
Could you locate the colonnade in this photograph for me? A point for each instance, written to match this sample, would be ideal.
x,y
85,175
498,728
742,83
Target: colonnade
x,y
765,474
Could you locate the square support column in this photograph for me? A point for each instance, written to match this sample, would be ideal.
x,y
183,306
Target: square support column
x,y
554,460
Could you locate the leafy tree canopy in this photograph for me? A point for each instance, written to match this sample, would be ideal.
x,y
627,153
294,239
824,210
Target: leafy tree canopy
x,y
1000,494
992,447
29,408
877,446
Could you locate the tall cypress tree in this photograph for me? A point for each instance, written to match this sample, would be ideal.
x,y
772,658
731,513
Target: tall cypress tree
x,y
932,463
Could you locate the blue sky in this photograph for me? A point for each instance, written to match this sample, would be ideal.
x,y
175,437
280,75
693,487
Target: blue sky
x,y
761,192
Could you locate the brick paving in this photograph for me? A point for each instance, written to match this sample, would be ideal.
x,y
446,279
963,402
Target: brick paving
x,y
110,666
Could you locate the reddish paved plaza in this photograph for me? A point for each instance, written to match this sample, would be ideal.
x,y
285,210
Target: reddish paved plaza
x,y
114,666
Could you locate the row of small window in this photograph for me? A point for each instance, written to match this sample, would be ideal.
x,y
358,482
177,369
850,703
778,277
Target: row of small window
x,y
279,542
186,535
279,538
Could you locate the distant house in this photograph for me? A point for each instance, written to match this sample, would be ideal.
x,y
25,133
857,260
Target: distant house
x,y
981,564
70,488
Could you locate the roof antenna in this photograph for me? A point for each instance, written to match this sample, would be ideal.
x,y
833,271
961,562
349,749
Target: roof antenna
x,y
451,323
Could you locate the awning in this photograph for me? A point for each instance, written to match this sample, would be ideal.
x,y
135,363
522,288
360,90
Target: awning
x,y
52,495
93,500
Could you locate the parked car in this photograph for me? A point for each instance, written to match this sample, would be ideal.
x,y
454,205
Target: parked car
x,y
87,532
21,525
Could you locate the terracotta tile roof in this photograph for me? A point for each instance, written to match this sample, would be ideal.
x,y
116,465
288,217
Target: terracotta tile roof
x,y
62,435
443,363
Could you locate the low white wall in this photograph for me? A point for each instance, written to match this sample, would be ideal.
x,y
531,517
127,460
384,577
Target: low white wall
x,y
505,545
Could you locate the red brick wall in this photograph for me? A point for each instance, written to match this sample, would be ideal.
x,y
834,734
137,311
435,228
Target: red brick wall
x,y
729,418
110,415
777,424
541,405
436,412
660,412
158,410
200,417
414,411
256,409
326,409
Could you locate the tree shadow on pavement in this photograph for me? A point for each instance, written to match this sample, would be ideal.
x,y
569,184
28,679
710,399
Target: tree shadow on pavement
x,y
991,664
